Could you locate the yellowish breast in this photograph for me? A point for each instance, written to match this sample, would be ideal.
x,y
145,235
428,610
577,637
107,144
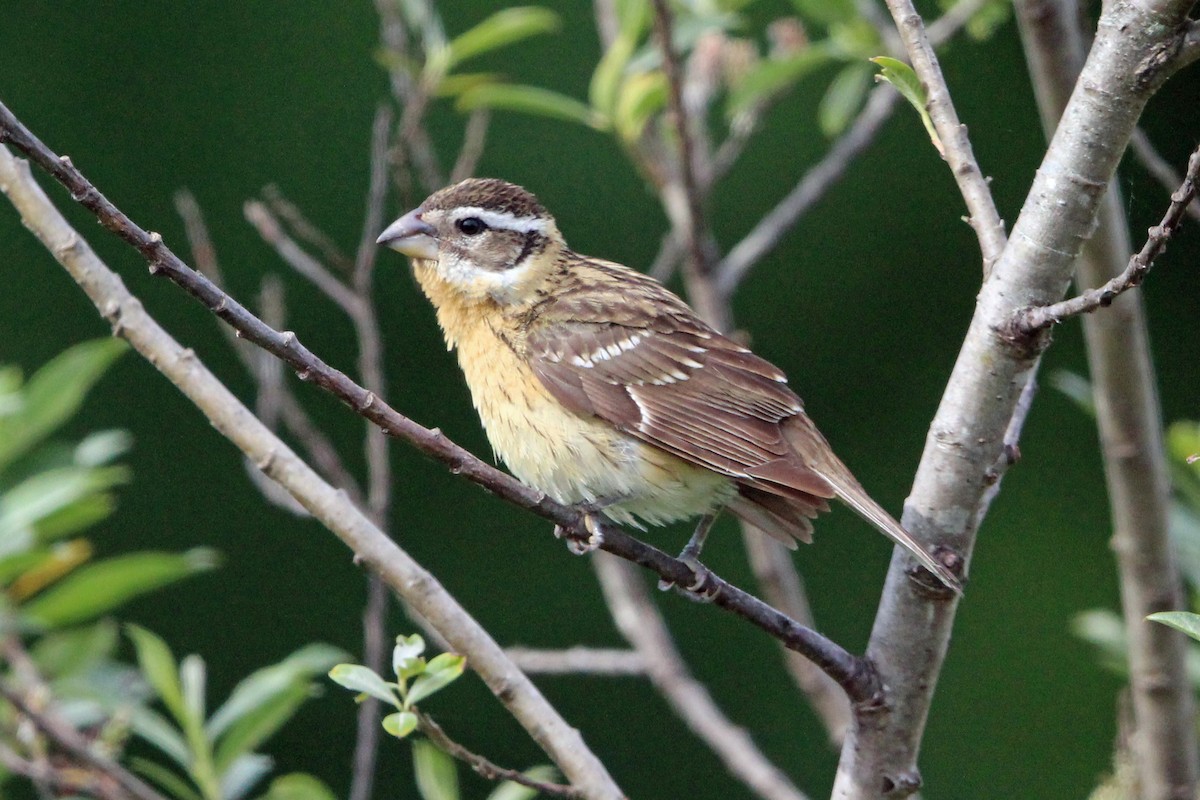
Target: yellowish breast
x,y
571,458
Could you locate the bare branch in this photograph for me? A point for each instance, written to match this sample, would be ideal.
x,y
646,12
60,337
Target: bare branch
x,y
1031,320
700,270
643,627
1159,168
984,218
59,781
474,140
71,742
1130,422
855,675
782,587
578,661
305,231
371,546
483,766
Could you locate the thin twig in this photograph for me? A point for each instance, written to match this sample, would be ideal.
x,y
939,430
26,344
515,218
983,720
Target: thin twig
x,y
372,548
474,139
71,742
1159,168
856,676
700,270
483,766
319,448
1032,320
305,231
984,218
782,587
579,661
61,781
376,447
639,621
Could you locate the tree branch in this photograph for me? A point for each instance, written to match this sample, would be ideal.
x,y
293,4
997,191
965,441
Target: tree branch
x,y
1130,423
483,766
1031,320
371,546
984,218
853,674
1159,168
578,661
641,624
966,439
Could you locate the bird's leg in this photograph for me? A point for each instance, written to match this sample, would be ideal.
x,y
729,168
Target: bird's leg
x,y
690,555
590,516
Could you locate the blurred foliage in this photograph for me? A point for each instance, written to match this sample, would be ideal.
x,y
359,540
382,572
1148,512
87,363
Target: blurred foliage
x,y
54,595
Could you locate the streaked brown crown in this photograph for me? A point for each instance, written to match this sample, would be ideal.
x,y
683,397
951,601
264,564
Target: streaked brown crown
x,y
492,194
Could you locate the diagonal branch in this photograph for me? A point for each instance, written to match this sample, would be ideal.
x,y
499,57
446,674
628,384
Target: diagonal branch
x,y
1032,320
855,676
370,545
1159,168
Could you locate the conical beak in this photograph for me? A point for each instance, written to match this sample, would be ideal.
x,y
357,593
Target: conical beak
x,y
411,235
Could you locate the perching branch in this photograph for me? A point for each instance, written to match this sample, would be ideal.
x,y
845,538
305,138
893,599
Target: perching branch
x,y
371,546
1031,320
579,660
1130,422
853,674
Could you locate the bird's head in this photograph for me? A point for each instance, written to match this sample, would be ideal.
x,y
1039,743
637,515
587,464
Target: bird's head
x,y
484,238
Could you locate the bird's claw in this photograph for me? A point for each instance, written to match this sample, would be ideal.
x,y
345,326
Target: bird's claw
x,y
579,544
704,588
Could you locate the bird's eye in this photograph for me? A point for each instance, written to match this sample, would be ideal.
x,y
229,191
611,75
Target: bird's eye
x,y
471,226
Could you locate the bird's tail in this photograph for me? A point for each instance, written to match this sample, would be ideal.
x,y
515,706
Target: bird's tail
x,y
819,457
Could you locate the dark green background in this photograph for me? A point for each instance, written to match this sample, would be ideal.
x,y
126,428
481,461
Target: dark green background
x,y
864,305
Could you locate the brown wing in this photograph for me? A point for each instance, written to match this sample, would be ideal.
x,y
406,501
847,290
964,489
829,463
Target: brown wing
x,y
660,374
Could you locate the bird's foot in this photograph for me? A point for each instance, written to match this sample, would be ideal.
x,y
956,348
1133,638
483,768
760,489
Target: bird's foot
x,y
578,542
704,586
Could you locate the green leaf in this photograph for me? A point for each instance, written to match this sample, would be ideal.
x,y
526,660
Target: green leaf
x,y
358,678
1077,389
46,493
298,786
767,79
901,75
843,98
400,724
407,649
192,679
243,774
263,688
641,97
75,650
98,588
454,85
501,29
606,79
155,729
529,100
103,447
158,665
54,394
78,516
435,772
441,671
254,728
174,785
13,565
1183,621
508,790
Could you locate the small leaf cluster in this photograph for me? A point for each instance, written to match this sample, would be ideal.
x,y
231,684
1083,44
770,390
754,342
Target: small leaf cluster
x,y
214,756
416,679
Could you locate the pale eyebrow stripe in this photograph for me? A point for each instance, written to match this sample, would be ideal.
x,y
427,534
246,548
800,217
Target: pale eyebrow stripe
x,y
502,219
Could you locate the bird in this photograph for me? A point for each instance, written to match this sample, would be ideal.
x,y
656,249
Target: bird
x,y
601,388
